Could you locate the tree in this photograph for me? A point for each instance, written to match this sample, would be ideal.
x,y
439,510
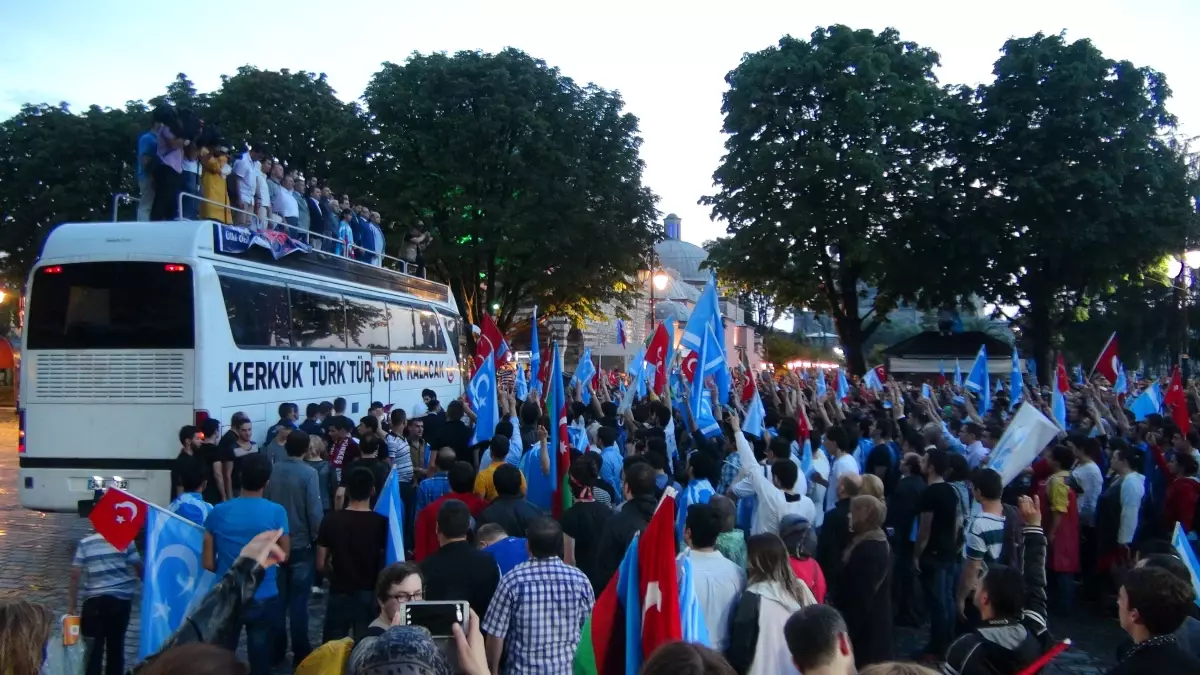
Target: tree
x,y
530,183
300,119
56,167
831,164
780,349
1075,177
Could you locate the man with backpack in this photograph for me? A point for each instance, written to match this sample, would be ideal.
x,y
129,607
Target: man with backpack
x,y
1011,601
993,535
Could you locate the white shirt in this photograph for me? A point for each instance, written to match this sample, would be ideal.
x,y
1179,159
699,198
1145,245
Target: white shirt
x,y
377,234
1133,488
846,464
262,190
820,467
773,503
719,584
243,168
287,205
976,453
1089,478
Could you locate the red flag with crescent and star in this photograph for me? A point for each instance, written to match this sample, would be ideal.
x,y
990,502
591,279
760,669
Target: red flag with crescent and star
x,y
657,579
1107,363
1061,381
656,355
1178,402
118,517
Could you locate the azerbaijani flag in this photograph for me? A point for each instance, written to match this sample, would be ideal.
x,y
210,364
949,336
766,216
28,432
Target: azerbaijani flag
x,y
619,635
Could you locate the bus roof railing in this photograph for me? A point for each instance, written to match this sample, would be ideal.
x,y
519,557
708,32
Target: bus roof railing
x,y
257,223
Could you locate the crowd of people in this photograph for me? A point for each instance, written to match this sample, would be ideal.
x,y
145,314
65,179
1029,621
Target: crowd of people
x,y
179,154
808,542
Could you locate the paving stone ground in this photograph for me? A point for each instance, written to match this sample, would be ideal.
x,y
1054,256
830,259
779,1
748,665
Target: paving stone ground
x,y
36,551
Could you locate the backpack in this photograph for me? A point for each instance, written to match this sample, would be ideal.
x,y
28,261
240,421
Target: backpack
x,y
1010,551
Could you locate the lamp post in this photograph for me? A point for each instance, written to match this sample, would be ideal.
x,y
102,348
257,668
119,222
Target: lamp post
x,y
1180,269
658,280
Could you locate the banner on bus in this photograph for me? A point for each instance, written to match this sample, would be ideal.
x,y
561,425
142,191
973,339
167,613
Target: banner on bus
x,y
236,240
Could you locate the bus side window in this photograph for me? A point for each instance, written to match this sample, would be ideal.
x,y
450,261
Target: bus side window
x,y
401,328
429,336
451,323
366,324
318,320
258,313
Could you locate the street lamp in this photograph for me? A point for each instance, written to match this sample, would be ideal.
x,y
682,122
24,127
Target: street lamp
x,y
658,280
1179,268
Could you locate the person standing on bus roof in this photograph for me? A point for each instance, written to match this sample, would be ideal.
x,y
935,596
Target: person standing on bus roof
x,y
247,184
377,233
344,236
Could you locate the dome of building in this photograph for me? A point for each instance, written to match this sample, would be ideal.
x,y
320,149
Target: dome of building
x,y
684,258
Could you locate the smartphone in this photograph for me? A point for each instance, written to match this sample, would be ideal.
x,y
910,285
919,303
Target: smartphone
x,y
436,617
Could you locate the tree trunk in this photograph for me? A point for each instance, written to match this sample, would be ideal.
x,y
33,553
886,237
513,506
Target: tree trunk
x,y
849,328
1041,337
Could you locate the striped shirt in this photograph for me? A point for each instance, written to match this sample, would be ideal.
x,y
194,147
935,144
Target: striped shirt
x,y
105,569
985,537
401,456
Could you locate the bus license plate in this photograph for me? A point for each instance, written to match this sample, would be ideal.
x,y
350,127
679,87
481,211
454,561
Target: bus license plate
x,y
94,484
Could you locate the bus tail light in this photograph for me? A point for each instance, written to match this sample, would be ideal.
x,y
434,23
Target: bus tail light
x,y
200,417
175,268
21,431
53,269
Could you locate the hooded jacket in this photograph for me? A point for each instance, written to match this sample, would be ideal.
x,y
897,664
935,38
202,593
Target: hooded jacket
x,y
1005,646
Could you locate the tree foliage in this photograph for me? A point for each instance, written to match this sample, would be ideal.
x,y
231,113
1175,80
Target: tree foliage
x,y
1074,179
530,183
57,166
830,164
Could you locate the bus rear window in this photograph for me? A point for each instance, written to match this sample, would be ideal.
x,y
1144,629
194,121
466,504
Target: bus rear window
x,y
111,305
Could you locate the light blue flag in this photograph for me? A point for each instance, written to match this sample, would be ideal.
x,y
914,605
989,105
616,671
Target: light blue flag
x,y
628,592
1184,548
174,579
698,491
535,356
942,371
1079,374
803,375
702,410
958,381
1015,384
926,391
1031,366
871,379
843,386
481,394
755,414
1058,407
999,385
584,371
391,506
806,458
691,619
978,382
707,312
637,373
521,385
820,383
1121,386
1149,402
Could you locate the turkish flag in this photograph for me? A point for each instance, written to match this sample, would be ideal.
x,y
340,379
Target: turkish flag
x,y
656,354
1178,402
1060,376
748,387
881,373
1107,363
688,366
658,584
491,343
118,517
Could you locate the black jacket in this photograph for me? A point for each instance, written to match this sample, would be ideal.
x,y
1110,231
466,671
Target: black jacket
x,y
456,435
1005,646
512,513
633,517
1157,656
835,534
866,604
459,571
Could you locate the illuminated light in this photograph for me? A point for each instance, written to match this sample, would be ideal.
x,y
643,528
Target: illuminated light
x,y
175,268
661,280
53,269
3,295
495,307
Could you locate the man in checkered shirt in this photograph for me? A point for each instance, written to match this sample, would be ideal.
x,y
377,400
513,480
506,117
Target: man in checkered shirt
x,y
539,608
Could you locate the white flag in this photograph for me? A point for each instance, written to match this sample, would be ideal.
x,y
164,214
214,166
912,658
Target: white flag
x,y
1027,435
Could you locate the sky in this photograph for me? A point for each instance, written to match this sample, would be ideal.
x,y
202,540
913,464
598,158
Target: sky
x,y
668,59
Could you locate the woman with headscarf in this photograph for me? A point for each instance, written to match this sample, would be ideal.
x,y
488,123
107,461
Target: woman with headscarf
x,y
801,541
866,602
773,594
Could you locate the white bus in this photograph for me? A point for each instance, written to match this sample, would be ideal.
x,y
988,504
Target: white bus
x,y
133,330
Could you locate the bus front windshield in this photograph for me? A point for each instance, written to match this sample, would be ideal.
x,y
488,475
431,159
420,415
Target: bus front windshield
x,y
111,305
